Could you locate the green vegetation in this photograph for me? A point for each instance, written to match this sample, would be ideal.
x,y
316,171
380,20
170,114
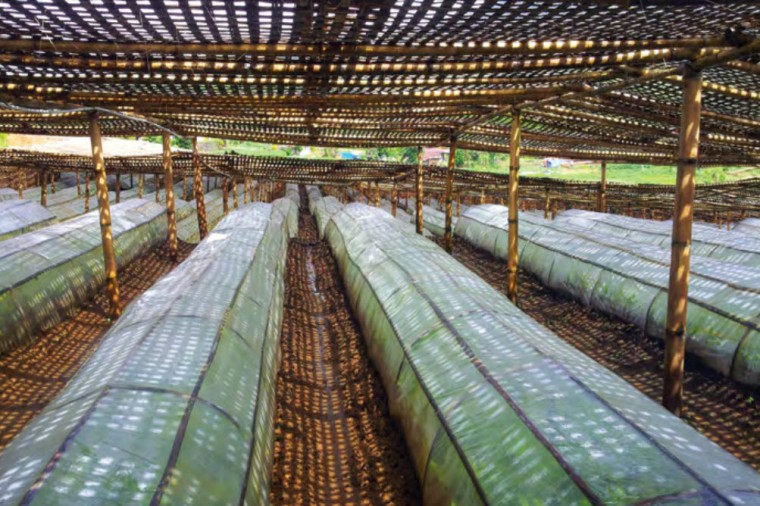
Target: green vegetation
x,y
481,161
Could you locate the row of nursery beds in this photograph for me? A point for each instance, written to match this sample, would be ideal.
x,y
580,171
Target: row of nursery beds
x,y
177,404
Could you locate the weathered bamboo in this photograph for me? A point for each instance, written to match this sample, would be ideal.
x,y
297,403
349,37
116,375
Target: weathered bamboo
x,y
447,236
21,176
43,190
459,203
157,184
678,290
376,202
555,206
87,192
234,193
419,223
225,195
547,203
184,185
101,184
602,208
79,187
52,183
171,216
245,189
482,197
118,188
200,202
514,169
394,199
252,189
140,185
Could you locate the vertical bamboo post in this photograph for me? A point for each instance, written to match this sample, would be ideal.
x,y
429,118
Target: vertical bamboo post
x,y
171,217
245,189
418,197
394,199
52,182
447,242
43,189
678,289
251,189
118,188
547,203
106,235
79,186
514,169
377,194
87,191
140,185
602,208
225,196
482,196
157,184
184,185
200,202
21,176
234,193
459,203
554,208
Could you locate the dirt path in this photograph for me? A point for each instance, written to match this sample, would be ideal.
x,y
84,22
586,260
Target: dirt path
x,y
33,375
335,442
720,409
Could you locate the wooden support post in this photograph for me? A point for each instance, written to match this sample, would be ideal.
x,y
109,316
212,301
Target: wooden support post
x,y
140,185
251,189
87,192
21,176
394,199
459,203
602,200
482,196
419,196
234,193
79,186
377,194
184,183
106,235
678,289
171,217
52,183
245,189
514,170
118,188
200,202
43,190
157,184
547,203
554,208
447,240
225,196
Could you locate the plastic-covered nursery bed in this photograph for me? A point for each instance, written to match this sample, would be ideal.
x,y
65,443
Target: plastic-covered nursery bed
x,y
177,403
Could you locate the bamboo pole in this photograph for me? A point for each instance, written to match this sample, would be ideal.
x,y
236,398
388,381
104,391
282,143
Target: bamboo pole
x,y
118,188
547,203
376,202
447,241
418,198
52,182
43,189
252,189
514,169
198,189
225,196
394,199
157,184
245,189
603,189
184,186
79,187
106,235
171,217
459,203
21,176
87,192
140,185
234,193
678,289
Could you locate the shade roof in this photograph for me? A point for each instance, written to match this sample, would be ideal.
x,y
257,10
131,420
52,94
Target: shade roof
x,y
593,80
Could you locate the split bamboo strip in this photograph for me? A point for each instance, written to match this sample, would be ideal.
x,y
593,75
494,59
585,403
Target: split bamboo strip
x,y
514,168
198,189
171,217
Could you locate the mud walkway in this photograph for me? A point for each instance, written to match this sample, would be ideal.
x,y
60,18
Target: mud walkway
x,y
32,375
335,442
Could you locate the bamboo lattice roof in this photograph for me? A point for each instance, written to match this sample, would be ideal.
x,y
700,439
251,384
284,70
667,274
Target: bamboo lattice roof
x,y
593,79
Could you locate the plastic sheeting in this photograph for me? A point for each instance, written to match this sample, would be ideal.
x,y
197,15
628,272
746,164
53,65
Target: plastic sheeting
x,y
495,408
629,279
707,241
177,403
47,273
322,208
20,216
